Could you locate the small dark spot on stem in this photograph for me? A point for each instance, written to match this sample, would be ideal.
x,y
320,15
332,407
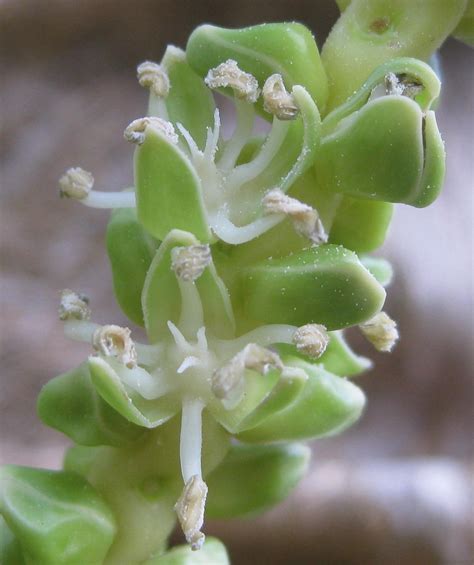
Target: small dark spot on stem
x,y
380,25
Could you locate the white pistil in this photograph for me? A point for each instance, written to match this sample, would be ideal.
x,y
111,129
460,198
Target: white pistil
x,y
277,100
153,76
115,341
135,132
311,340
190,510
212,138
230,233
73,306
228,382
76,183
381,331
190,262
305,219
228,74
194,150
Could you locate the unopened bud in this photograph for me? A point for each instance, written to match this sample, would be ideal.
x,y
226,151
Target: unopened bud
x,y
277,100
135,132
73,306
244,84
153,76
190,511
305,219
115,341
311,340
189,262
228,382
381,331
76,183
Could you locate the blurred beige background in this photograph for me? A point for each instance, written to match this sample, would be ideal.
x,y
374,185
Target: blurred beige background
x,y
397,488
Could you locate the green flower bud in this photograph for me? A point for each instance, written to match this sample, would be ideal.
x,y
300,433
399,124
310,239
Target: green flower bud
x,y
59,518
130,249
288,49
213,552
369,33
324,285
327,405
253,478
383,143
70,403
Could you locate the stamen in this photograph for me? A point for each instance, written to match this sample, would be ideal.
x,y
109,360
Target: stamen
x,y
190,262
153,76
190,510
135,132
115,341
228,383
76,183
229,74
311,340
381,331
73,306
277,100
305,219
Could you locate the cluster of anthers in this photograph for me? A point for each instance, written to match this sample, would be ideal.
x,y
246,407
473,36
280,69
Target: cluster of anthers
x,y
237,208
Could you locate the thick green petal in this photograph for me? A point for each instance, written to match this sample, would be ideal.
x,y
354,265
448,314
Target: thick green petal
x,y
371,32
57,516
325,285
161,297
127,402
213,552
381,152
130,249
465,29
70,403
187,93
328,405
380,268
168,189
288,49
360,225
253,478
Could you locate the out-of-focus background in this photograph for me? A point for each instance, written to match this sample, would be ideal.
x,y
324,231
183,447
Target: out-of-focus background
x,y
396,488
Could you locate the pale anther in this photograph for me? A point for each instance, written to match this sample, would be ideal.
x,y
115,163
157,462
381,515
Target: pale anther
x,y
311,340
153,76
115,341
135,132
305,219
381,331
190,511
189,262
73,306
277,100
76,183
244,85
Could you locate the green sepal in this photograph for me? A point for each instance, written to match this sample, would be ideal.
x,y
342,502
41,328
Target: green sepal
x,y
130,249
58,518
253,478
70,403
213,552
380,268
161,296
465,29
168,189
10,548
368,34
105,376
187,92
327,405
326,285
360,225
285,48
